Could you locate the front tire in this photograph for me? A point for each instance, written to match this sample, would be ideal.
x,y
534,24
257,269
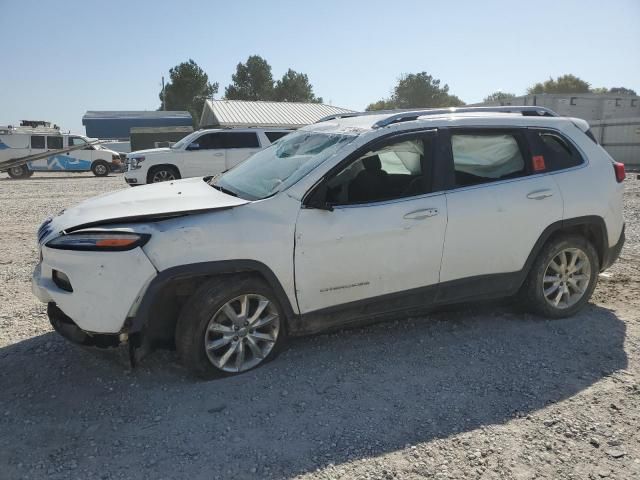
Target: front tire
x,y
562,277
100,168
20,171
230,325
163,173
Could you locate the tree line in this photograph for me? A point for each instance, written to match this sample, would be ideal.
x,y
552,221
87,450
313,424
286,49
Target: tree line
x,y
189,88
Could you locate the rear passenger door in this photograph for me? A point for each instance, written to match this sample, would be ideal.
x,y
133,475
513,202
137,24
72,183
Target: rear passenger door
x,y
500,198
239,146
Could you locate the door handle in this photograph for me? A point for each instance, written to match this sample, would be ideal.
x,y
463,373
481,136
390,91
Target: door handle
x,y
219,154
540,194
421,214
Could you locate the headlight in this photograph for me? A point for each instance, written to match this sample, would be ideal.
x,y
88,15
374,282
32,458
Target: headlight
x,y
135,161
100,241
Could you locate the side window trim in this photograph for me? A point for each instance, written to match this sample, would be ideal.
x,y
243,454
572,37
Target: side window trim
x,y
312,194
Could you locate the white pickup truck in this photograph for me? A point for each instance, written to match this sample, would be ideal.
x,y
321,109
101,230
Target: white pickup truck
x,y
202,153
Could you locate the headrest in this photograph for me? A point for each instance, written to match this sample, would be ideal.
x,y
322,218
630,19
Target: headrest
x,y
372,163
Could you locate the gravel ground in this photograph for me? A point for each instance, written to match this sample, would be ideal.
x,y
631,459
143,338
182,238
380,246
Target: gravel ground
x,y
479,392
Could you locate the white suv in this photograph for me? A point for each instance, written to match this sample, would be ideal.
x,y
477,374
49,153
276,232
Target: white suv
x,y
350,219
205,152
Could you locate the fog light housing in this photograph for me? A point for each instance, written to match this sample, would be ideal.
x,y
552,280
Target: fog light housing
x,y
62,281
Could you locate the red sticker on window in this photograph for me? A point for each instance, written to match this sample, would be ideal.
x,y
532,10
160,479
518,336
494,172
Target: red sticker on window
x,y
538,163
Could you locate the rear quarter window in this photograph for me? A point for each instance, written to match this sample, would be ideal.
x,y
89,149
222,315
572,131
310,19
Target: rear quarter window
x,y
557,152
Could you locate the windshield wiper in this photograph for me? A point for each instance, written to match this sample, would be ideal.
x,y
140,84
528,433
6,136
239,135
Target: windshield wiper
x,y
224,190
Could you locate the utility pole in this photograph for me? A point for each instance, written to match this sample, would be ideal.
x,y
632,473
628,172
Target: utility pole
x,y
164,102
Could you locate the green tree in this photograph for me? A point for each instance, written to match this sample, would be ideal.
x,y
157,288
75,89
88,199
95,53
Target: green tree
x,y
252,81
294,87
188,88
499,96
418,90
380,105
563,84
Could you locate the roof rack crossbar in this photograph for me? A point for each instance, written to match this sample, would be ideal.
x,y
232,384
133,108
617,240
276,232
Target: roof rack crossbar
x,y
408,115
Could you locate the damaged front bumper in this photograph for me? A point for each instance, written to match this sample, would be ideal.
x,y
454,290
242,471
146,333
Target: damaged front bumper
x,y
128,344
70,330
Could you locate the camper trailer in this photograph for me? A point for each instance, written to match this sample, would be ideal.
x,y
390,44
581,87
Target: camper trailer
x,y
34,138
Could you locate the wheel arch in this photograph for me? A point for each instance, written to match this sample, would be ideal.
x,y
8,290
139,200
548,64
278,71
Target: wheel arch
x,y
591,227
153,168
163,299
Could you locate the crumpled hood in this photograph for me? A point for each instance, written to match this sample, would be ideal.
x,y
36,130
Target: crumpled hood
x,y
146,202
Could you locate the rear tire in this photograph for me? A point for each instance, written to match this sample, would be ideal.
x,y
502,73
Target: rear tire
x,y
162,173
20,171
562,277
216,336
100,168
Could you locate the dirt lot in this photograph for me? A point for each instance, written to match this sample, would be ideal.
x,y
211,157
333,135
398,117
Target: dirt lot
x,y
480,392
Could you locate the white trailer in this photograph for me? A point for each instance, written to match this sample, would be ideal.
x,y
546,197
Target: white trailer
x,y
621,138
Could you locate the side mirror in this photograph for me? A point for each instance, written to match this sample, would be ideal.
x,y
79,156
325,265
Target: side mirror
x,y
193,146
318,199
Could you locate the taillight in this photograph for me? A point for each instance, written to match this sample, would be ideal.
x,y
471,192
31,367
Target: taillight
x,y
619,169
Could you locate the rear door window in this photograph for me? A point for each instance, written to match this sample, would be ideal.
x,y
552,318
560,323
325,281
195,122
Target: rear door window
x,y
240,139
483,157
37,141
552,152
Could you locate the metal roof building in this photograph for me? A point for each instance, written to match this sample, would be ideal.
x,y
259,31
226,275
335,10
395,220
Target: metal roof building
x,y
241,113
117,124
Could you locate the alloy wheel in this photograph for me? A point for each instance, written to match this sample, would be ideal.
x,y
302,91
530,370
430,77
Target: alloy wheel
x,y
242,333
163,176
566,278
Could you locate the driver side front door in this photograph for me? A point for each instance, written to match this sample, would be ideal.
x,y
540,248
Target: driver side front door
x,y
383,239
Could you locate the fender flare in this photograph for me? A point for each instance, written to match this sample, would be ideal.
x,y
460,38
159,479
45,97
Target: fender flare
x,y
204,269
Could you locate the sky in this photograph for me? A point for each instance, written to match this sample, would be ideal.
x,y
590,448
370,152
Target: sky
x,y
60,59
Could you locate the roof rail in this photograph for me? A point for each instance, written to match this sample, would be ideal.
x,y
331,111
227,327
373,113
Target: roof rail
x,y
341,115
408,115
